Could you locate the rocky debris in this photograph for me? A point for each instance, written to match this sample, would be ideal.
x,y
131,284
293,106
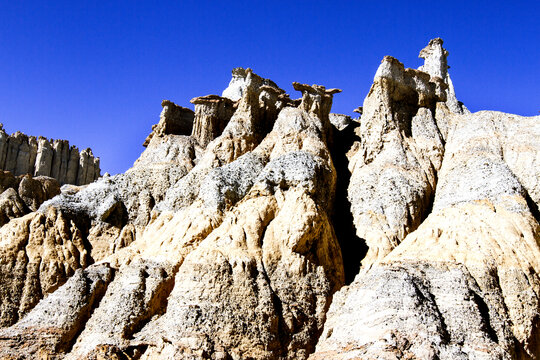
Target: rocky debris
x,y
465,284
21,154
233,239
23,194
174,119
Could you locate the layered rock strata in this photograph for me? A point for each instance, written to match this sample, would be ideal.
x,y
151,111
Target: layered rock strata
x,y
21,154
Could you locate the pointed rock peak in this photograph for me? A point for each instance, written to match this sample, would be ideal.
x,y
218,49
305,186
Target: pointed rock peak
x,y
434,55
436,65
316,98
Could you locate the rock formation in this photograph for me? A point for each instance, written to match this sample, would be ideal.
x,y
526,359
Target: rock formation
x,y
174,119
23,194
450,215
21,154
239,232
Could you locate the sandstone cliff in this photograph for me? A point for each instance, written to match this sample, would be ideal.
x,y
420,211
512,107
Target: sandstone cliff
x,y
21,154
239,233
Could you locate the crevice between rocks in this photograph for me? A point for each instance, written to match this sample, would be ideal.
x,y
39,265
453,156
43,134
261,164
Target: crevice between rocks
x,y
532,206
353,248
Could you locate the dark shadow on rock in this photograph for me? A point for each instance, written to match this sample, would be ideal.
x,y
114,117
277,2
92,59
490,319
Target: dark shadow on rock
x,y
533,207
353,248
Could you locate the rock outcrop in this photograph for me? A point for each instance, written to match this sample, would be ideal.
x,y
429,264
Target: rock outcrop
x,y
460,280
21,154
173,119
23,194
239,232
220,211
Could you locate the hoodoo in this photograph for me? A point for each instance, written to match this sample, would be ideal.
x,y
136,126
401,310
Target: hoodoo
x,y
239,232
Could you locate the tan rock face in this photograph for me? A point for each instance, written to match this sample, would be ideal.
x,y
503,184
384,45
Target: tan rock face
x,y
21,154
39,252
264,195
239,216
174,119
220,242
394,165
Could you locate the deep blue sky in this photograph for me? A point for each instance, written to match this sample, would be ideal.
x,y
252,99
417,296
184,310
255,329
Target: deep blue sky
x,y
95,72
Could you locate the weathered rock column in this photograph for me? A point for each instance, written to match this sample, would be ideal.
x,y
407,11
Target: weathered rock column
x,y
3,146
212,113
60,160
436,65
84,162
22,164
174,119
44,157
14,143
73,166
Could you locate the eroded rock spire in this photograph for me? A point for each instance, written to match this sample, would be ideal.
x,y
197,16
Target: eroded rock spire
x,y
436,65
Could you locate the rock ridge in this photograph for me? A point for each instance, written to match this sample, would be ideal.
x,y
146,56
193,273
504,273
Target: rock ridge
x,y
21,154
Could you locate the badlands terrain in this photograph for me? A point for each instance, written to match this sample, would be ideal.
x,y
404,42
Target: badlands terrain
x,y
261,226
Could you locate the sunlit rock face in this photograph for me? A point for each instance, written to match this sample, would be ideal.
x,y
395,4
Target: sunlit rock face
x,y
21,155
451,221
262,227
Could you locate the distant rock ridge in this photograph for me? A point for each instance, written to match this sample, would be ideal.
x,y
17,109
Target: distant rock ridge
x,y
21,154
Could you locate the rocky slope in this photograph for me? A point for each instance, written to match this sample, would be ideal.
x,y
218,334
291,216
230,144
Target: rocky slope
x,y
235,233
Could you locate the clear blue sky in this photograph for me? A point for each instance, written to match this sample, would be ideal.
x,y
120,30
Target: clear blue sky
x,y
95,72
